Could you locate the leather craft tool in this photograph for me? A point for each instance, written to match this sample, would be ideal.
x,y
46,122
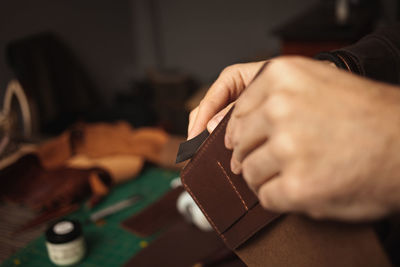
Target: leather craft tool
x,y
114,208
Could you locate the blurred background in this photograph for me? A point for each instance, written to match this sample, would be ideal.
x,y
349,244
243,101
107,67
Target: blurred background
x,y
116,51
68,65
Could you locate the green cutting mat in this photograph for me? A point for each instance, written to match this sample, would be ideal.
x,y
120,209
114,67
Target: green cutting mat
x,y
107,244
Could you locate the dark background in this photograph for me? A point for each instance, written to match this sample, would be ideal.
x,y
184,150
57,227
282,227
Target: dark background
x,y
117,41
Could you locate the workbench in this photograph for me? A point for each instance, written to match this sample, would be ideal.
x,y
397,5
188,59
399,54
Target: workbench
x,y
108,244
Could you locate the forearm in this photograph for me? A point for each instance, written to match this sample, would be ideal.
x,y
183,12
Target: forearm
x,y
376,56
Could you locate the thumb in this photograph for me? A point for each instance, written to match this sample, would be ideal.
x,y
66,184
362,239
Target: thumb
x,y
213,123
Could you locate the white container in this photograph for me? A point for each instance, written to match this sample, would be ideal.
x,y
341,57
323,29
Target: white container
x,y
65,243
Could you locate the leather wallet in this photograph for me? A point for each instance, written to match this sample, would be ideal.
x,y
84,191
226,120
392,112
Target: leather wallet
x,y
292,240
227,202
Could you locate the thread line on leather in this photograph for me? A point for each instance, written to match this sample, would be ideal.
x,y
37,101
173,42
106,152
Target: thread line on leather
x,y
233,186
220,127
189,167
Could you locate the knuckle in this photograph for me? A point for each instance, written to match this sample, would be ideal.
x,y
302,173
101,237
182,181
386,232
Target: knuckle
x,y
228,72
207,103
202,103
283,145
278,106
193,113
288,62
285,70
229,69
281,64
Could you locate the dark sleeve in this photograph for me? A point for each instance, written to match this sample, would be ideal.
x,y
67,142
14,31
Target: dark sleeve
x,y
376,56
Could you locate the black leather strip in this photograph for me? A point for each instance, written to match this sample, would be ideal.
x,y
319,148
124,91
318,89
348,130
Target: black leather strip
x,y
189,148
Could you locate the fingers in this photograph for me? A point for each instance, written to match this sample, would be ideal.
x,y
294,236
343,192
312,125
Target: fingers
x,y
287,131
268,96
227,88
283,193
259,167
192,119
272,195
203,113
249,101
213,123
279,75
248,133
252,97
272,111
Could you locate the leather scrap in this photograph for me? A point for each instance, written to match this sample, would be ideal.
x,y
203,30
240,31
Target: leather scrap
x,y
66,168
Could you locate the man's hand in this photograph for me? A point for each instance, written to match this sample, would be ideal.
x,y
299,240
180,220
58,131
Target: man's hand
x,y
310,138
225,90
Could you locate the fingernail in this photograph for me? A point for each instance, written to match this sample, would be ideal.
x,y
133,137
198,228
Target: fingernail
x,y
213,123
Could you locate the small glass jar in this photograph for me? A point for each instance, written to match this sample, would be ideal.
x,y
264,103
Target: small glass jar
x,y
65,243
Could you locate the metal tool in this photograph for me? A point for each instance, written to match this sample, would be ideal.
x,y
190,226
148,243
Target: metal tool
x,y
114,208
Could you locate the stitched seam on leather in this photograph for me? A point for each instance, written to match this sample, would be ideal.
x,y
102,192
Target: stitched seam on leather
x,y
233,186
205,213
189,167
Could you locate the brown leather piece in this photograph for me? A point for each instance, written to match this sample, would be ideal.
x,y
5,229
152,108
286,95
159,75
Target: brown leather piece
x,y
253,233
120,167
157,216
225,199
145,142
99,140
294,240
26,182
54,152
117,150
182,245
